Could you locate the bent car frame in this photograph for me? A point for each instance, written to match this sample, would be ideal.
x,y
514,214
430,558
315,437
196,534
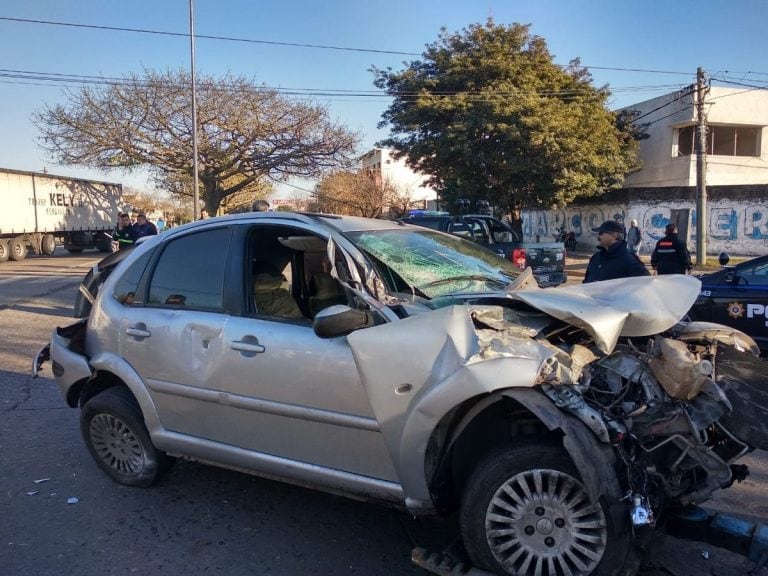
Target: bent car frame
x,y
398,364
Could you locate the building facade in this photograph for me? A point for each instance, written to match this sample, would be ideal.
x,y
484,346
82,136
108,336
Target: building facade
x,y
381,163
736,175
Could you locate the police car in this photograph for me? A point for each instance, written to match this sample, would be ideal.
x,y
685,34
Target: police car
x,y
737,296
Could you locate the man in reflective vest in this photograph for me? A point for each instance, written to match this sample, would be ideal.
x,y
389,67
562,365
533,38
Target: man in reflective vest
x,y
124,232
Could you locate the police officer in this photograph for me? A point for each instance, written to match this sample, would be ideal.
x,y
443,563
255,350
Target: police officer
x,y
612,259
671,255
124,232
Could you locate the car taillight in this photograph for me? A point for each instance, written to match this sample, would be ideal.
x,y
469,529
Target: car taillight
x,y
518,258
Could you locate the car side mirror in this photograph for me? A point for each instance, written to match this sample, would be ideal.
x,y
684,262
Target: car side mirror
x,y
723,258
340,320
730,277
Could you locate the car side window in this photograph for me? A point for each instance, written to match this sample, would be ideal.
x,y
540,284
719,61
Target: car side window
x,y
126,289
757,274
501,233
190,272
479,231
460,229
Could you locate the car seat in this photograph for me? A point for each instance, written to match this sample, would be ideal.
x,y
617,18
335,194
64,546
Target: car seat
x,y
324,291
269,296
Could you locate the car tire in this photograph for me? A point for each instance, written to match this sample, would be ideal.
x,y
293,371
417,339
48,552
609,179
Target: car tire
x,y
115,434
74,249
525,511
17,248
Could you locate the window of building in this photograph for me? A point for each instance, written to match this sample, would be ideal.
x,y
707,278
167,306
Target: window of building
x,y
721,140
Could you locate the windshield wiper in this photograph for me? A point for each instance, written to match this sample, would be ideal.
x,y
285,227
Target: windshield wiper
x,y
475,277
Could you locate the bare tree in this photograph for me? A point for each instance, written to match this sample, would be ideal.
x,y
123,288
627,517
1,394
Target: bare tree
x,y
247,133
362,193
352,193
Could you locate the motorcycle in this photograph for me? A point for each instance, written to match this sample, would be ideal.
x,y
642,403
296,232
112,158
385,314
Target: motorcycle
x,y
567,238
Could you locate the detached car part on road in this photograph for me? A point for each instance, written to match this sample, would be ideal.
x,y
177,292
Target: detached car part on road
x,y
402,365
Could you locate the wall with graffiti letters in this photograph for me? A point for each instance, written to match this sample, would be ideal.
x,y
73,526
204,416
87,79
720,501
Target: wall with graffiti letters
x,y
739,227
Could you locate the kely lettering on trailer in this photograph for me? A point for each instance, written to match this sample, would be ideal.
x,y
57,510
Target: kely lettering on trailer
x,y
64,200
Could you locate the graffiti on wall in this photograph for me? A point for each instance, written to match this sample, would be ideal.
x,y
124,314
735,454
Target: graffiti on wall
x,y
740,228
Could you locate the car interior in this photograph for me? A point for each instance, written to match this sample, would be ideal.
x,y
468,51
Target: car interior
x,y
291,276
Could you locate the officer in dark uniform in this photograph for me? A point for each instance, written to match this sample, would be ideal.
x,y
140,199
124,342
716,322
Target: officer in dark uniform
x,y
613,259
671,255
124,232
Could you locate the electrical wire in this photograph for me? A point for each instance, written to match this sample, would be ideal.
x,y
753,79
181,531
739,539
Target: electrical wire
x,y
300,44
205,36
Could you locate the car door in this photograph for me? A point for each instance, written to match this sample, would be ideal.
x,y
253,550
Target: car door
x,y
172,326
739,299
265,383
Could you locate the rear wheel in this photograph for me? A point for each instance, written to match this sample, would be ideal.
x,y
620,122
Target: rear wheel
x,y
48,244
525,511
74,249
115,434
17,248
5,252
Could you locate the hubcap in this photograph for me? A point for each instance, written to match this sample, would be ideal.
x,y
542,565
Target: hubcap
x,y
540,522
116,444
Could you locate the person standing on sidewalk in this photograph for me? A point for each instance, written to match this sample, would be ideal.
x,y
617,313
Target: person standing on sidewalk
x,y
612,259
634,238
671,255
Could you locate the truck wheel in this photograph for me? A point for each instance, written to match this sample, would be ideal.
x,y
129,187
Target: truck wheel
x,y
4,250
74,249
48,244
525,511
18,248
115,434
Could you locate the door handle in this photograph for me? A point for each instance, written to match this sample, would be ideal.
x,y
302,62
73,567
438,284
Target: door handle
x,y
249,345
138,332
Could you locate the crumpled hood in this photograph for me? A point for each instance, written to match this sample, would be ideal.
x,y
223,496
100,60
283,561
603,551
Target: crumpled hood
x,y
638,306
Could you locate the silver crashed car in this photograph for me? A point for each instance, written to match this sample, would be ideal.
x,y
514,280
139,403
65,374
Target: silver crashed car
x,y
398,364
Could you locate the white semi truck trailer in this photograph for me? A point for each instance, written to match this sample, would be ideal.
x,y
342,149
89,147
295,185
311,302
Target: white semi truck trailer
x,y
37,210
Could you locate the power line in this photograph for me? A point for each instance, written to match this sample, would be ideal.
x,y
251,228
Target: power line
x,y
82,79
743,84
205,36
297,44
680,97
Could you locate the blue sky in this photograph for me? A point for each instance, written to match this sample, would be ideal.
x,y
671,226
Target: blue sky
x,y
727,39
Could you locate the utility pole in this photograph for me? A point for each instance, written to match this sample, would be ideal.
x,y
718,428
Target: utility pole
x,y
195,195
701,171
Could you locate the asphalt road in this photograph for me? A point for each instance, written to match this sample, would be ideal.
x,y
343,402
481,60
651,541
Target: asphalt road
x,y
199,519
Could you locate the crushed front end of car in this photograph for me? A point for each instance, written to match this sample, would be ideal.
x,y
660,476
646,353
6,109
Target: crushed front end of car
x,y
653,412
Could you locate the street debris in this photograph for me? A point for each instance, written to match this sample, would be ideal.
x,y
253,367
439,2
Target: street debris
x,y
33,492
73,500
41,480
705,555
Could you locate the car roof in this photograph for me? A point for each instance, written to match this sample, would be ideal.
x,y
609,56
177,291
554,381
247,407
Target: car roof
x,y
338,222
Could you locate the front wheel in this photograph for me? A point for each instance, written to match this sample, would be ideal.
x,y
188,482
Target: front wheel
x,y
525,511
115,434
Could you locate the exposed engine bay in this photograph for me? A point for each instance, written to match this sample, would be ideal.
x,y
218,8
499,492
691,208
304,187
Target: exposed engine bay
x,y
662,402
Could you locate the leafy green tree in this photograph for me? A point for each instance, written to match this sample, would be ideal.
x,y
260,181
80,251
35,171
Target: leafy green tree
x,y
489,116
247,133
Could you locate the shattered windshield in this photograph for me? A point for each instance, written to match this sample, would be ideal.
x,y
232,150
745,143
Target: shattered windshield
x,y
435,264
